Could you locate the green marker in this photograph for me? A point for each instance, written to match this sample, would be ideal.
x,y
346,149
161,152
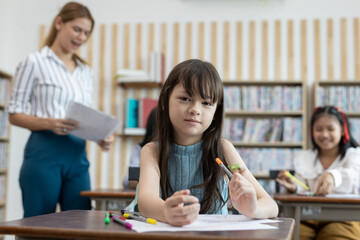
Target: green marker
x,y
107,218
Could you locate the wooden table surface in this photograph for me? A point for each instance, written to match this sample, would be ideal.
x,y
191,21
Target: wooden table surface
x,y
88,224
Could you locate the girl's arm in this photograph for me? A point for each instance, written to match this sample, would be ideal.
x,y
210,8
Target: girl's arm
x,y
173,210
247,195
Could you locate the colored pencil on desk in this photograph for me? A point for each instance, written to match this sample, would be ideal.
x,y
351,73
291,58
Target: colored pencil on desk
x,y
139,218
122,222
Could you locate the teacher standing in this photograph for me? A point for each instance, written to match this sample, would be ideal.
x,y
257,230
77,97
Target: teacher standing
x,y
55,166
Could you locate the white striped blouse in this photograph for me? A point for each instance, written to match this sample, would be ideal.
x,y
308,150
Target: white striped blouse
x,y
43,82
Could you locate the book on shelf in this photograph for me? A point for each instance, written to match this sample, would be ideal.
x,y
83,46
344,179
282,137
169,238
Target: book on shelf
x,y
157,67
134,131
131,75
146,105
131,113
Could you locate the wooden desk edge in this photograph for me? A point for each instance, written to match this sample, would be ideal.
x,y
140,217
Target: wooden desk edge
x,y
109,194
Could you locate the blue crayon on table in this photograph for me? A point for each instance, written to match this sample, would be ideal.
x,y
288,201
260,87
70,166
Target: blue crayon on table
x,y
224,168
122,222
107,218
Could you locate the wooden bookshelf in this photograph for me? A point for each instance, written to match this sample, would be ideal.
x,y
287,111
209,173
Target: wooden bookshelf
x,y
330,92
137,90
4,142
269,114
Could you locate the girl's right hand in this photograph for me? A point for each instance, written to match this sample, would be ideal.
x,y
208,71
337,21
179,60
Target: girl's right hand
x,y
62,126
286,182
177,213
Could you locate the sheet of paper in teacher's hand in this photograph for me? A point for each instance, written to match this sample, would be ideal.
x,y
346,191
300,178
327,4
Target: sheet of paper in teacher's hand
x,y
93,124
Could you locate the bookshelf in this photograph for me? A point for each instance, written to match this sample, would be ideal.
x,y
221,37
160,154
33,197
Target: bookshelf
x,y
266,122
131,136
5,86
343,94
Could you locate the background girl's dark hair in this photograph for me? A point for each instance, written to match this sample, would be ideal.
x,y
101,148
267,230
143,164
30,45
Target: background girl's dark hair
x,y
342,118
150,128
200,77
69,12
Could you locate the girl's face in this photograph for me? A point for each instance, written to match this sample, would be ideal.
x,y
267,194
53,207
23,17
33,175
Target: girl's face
x,y
327,133
190,116
72,34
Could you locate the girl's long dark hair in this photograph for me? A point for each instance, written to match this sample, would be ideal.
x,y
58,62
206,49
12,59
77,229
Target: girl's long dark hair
x,y
200,77
347,140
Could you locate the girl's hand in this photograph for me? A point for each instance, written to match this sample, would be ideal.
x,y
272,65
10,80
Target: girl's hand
x,y
243,194
286,182
326,184
106,143
62,126
177,213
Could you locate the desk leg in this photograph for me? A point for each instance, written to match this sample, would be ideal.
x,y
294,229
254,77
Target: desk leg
x,y
297,222
100,205
293,212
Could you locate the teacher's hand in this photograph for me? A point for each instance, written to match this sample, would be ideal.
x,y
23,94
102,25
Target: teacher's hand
x,y
105,144
62,126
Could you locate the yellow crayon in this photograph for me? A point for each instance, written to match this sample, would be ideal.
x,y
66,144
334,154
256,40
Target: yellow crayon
x,y
287,173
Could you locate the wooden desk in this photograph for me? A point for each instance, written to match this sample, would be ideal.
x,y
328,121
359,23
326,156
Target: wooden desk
x,y
318,208
89,224
110,199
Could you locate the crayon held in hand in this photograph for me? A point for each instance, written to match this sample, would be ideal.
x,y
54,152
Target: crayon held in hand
x,y
224,168
287,173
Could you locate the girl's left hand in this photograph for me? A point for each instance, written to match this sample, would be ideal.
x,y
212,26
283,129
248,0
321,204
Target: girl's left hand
x,y
242,194
326,184
105,144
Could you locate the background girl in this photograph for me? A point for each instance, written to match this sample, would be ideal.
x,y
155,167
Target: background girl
x,y
179,176
332,166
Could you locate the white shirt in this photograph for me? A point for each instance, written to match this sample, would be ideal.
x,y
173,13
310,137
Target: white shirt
x,y
309,169
43,81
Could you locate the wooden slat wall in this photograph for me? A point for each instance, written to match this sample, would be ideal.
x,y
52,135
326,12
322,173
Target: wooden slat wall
x,y
330,49
294,66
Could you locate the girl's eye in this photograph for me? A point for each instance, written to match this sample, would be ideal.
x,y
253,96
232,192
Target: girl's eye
x,y
184,99
77,29
207,103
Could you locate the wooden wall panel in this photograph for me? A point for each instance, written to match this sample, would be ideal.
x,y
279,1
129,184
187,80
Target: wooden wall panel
x,y
101,99
265,51
239,51
330,49
293,48
277,50
356,49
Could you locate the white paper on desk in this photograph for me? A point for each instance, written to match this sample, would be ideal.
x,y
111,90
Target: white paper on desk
x,y
94,125
339,195
206,222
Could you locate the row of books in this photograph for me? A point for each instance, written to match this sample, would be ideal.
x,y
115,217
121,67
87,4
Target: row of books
x,y
156,72
4,91
137,111
261,160
345,98
286,129
3,155
2,188
263,98
4,129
